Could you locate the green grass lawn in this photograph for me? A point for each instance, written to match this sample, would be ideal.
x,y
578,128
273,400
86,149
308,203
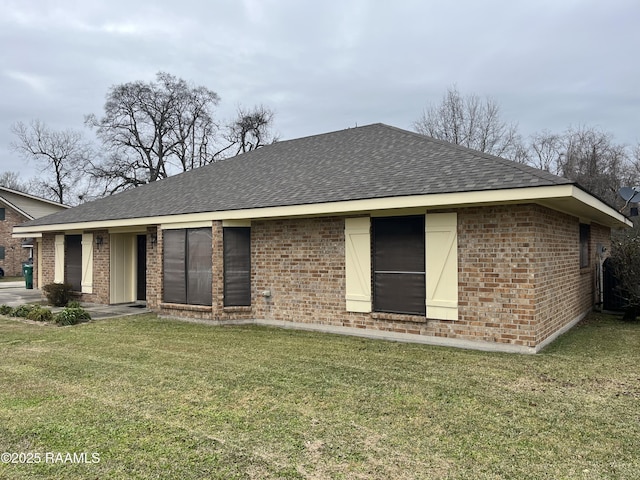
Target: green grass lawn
x,y
167,399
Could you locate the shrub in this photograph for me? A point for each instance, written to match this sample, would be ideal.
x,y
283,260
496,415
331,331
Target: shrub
x,y
625,258
74,304
58,294
23,311
40,314
6,310
71,316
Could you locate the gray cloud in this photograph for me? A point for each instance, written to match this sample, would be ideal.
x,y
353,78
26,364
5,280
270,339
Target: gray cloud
x,y
324,66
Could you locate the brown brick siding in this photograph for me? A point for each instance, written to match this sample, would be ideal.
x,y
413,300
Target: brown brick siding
x,y
518,265
154,267
496,293
301,262
14,254
101,265
47,249
101,269
519,275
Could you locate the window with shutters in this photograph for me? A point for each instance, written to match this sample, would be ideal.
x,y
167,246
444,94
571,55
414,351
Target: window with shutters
x,y
237,266
187,263
415,265
398,245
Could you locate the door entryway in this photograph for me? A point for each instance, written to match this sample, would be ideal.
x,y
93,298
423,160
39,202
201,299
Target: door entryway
x,y
142,268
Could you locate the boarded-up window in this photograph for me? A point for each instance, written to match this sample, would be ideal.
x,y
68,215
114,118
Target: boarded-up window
x,y
585,236
237,266
399,265
73,261
187,266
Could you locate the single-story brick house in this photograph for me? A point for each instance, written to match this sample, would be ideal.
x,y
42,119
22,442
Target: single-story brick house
x,y
372,230
16,208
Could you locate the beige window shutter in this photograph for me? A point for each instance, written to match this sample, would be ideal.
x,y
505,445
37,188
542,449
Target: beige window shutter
x,y
58,275
442,265
358,264
87,263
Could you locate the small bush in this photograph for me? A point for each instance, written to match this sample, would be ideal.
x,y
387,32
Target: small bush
x,y
40,314
58,294
71,316
74,304
6,310
23,311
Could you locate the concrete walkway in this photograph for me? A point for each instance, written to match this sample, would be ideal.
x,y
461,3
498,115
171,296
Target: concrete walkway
x,y
15,294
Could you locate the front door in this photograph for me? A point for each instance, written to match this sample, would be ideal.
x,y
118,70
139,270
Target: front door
x,y
123,267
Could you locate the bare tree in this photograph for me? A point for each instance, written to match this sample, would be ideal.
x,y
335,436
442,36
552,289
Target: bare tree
x,y
61,154
471,122
11,180
150,129
587,156
251,129
546,151
592,159
632,177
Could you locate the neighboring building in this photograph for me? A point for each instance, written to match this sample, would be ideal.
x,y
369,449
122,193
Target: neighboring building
x,y
370,231
16,208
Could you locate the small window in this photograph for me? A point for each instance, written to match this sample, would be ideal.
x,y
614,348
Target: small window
x,y
237,266
399,265
73,261
2,213
1,253
585,237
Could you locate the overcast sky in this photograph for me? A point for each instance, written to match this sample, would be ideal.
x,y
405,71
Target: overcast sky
x,y
327,65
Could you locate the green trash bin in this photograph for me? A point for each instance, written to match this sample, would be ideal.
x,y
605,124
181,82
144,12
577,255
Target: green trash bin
x,y
27,271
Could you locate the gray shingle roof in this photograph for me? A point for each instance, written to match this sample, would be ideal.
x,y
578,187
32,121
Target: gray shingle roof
x,y
373,161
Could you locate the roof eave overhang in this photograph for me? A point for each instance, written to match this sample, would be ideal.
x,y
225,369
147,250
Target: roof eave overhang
x,y
6,202
567,198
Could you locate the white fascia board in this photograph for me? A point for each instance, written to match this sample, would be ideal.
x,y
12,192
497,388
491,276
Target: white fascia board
x,y
33,197
26,235
598,204
441,200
